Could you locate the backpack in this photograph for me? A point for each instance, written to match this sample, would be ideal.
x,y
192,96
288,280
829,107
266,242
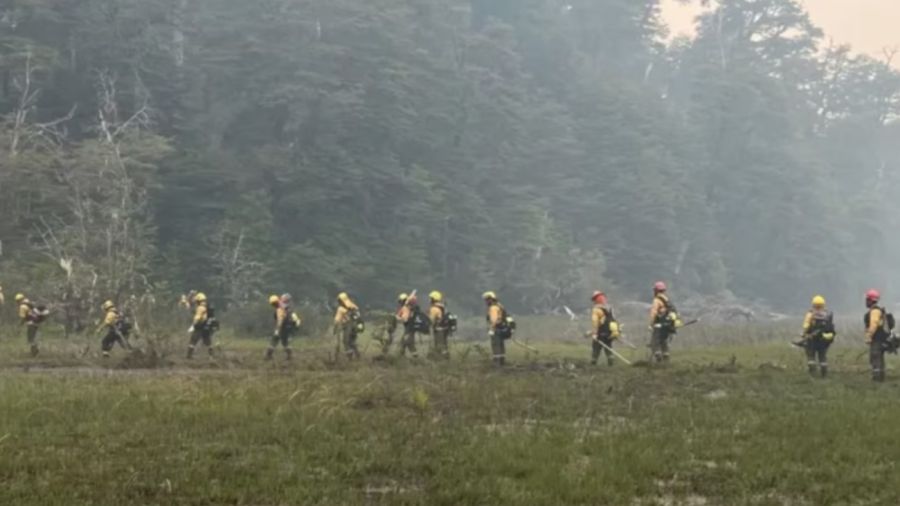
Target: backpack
x,y
356,319
290,321
37,314
211,324
507,326
887,320
447,321
665,320
123,325
822,325
605,331
418,321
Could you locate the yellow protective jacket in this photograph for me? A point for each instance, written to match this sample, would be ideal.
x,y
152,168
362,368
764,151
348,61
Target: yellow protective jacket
x,y
874,317
344,310
808,320
201,313
25,313
436,315
404,314
281,315
659,309
599,316
495,315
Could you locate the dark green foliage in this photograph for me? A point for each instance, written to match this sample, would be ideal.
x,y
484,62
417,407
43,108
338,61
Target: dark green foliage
x,y
539,148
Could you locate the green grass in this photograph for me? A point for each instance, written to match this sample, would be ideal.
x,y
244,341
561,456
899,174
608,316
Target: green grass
x,y
548,430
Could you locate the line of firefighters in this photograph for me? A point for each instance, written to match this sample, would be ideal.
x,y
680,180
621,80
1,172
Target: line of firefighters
x,y
817,336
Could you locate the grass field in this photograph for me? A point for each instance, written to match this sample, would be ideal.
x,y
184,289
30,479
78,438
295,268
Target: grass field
x,y
550,429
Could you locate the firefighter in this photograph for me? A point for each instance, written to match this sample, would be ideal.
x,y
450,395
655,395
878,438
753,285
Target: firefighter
x,y
413,321
286,324
498,329
116,328
347,326
393,323
877,333
818,334
440,327
31,316
203,325
605,329
664,322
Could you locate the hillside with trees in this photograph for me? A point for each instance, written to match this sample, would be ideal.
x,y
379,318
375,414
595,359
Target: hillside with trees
x,y
540,148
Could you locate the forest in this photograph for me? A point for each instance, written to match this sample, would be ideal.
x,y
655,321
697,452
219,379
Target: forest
x,y
539,148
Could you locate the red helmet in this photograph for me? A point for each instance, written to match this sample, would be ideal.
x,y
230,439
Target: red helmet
x,y
599,297
873,296
659,286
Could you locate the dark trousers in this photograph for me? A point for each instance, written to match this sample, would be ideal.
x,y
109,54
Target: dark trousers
x,y
282,338
408,343
597,348
817,355
31,331
659,343
441,345
110,339
200,335
876,359
498,348
347,338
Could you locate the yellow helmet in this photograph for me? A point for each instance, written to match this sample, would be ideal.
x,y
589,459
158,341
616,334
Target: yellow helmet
x,y
436,296
273,300
20,297
818,301
402,298
200,297
343,297
107,305
489,296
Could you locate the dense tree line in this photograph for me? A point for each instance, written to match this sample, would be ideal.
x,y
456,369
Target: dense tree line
x,y
540,148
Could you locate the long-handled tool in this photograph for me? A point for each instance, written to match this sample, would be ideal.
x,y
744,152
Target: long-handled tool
x,y
523,345
614,352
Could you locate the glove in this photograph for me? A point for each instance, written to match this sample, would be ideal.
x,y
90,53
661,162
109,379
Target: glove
x,y
191,329
490,333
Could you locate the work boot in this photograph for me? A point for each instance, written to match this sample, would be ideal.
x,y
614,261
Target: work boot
x,y
811,367
823,371
288,354
269,353
610,362
190,352
665,357
34,350
593,361
878,376
105,354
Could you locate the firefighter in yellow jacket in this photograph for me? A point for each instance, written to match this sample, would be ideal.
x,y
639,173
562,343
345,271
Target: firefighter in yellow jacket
x,y
347,326
410,316
498,327
31,317
664,322
286,324
440,328
818,335
203,325
878,333
604,329
116,328
394,323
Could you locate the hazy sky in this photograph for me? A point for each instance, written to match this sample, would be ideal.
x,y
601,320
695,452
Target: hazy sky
x,y
867,25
